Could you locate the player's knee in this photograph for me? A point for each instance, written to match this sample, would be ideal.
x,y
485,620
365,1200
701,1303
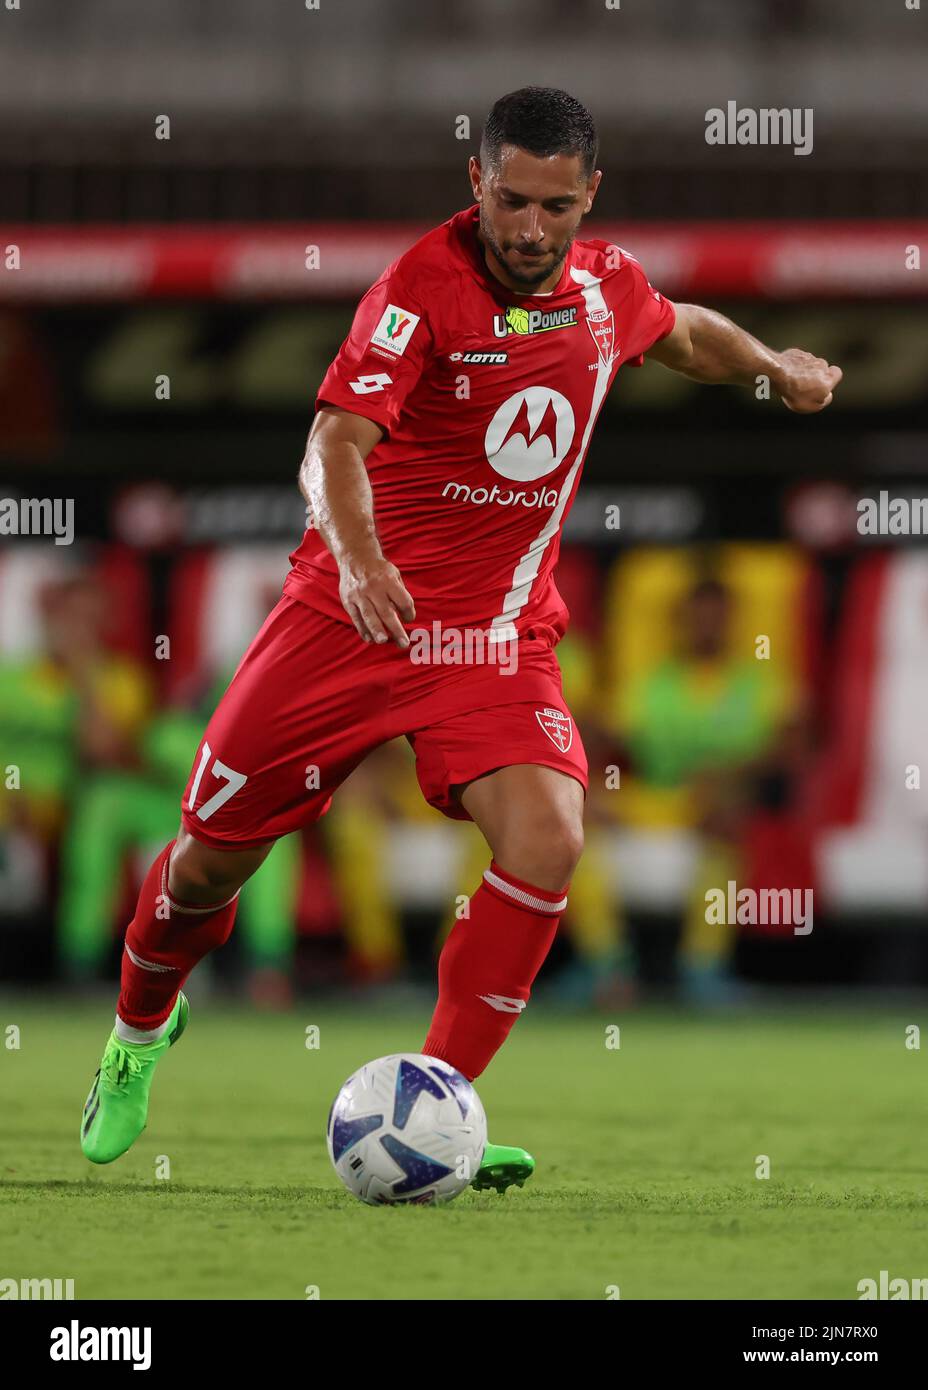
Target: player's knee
x,y
564,850
545,848
200,874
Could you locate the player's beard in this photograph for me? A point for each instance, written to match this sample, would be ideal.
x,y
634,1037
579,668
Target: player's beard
x,y
529,278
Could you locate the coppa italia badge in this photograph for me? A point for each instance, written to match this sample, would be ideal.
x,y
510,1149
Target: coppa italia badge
x,y
602,328
394,330
558,726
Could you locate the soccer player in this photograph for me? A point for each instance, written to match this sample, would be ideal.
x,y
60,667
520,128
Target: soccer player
x,y
446,450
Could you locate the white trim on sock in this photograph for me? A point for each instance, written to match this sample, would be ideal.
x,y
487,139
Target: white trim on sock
x,y
126,1033
520,895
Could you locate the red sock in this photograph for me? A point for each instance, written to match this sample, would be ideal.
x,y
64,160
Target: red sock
x,y
164,941
487,966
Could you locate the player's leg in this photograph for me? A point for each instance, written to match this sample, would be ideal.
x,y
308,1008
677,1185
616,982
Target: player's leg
x,y
532,819
519,771
251,783
185,909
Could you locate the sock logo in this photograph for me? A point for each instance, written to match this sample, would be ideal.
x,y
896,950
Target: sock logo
x,y
503,1003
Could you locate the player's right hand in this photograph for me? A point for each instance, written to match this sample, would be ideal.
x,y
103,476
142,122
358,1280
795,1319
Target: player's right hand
x,y
376,600
806,383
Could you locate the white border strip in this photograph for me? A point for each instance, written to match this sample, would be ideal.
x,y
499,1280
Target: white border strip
x,y
529,566
520,895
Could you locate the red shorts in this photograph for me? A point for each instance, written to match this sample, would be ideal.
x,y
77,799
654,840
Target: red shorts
x,y
310,700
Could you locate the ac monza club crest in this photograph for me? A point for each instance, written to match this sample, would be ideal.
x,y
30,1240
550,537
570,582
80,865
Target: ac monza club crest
x,y
602,329
558,726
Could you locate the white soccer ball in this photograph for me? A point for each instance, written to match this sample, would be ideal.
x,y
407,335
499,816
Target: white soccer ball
x,y
406,1128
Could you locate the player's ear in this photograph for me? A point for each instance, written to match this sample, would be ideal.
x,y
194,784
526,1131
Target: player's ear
x,y
476,177
593,183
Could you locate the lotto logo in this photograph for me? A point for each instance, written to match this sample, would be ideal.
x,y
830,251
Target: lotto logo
x,y
480,359
372,382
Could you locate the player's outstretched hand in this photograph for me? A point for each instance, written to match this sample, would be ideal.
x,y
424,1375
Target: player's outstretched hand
x,y
376,599
806,383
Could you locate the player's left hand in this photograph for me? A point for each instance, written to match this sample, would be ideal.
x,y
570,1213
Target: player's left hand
x,y
806,383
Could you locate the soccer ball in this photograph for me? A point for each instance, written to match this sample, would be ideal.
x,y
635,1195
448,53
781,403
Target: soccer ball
x,y
406,1128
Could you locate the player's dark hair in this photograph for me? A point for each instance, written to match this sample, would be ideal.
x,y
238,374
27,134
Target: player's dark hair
x,y
544,121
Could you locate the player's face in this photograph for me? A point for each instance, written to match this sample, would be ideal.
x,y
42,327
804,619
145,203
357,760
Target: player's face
x,y
530,209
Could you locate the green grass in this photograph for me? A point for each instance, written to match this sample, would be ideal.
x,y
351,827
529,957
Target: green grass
x,y
646,1161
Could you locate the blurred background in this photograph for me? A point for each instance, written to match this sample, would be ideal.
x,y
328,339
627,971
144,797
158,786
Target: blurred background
x,y
193,196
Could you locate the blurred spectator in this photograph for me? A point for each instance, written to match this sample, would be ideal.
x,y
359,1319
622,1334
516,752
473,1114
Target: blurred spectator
x,y
69,712
121,813
705,730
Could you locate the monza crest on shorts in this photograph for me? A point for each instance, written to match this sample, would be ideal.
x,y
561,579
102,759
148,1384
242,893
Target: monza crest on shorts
x,y
558,726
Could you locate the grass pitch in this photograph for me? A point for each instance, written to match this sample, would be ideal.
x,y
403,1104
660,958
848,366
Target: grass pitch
x,y
646,1156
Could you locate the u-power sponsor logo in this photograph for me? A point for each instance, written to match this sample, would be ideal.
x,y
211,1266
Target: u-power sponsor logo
x,y
527,321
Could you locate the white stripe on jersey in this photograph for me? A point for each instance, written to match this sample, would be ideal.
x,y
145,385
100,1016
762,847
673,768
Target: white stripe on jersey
x,y
526,571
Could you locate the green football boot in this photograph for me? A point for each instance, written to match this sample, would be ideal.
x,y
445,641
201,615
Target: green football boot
x,y
501,1166
117,1107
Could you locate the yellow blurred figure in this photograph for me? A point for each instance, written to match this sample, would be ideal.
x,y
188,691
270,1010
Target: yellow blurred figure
x,y
706,677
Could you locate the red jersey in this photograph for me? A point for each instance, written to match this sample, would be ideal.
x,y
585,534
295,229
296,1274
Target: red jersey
x,y
488,399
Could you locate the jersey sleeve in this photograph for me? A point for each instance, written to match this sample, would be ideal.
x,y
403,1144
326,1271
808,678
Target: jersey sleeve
x,y
652,316
383,356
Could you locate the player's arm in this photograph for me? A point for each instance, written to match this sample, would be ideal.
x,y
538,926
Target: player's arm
x,y
334,482
708,347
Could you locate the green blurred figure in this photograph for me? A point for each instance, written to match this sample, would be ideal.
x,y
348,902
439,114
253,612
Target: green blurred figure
x,y
75,707
85,764
118,813
701,727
